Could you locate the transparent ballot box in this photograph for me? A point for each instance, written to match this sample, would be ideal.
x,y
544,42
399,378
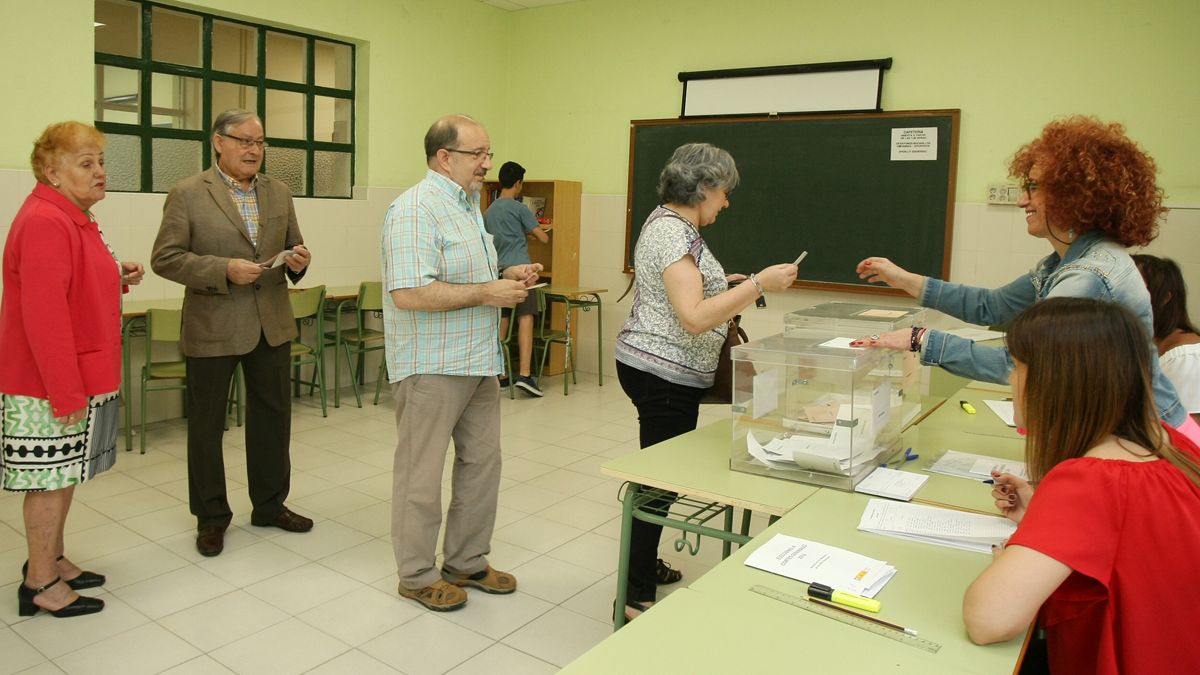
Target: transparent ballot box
x,y
853,319
809,408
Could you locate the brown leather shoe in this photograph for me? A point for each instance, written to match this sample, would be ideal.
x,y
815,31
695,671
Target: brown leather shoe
x,y
286,520
210,541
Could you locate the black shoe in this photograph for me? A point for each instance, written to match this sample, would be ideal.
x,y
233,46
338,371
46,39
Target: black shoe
x,y
84,580
287,520
210,541
503,382
82,605
526,384
664,574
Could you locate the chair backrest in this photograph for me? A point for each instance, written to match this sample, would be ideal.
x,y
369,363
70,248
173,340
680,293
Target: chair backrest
x,y
163,325
370,296
307,302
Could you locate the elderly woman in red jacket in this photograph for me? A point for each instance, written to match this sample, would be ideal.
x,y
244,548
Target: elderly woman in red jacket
x,y
60,334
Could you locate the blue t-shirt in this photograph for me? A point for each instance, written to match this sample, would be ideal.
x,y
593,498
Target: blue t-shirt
x,y
508,220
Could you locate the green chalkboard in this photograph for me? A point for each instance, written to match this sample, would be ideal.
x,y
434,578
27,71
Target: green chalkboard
x,y
827,184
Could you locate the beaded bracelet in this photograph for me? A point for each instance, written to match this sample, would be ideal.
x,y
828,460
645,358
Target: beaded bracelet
x,y
914,342
757,286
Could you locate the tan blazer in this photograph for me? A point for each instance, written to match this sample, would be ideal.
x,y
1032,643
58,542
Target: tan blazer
x,y
201,231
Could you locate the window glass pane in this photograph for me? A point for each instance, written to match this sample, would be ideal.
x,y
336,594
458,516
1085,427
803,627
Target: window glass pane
x,y
175,101
331,119
287,165
123,162
234,48
226,95
332,64
174,160
331,174
118,91
121,29
175,36
286,57
285,114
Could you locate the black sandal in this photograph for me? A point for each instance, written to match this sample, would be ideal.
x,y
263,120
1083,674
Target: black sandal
x,y
84,580
630,604
27,607
664,574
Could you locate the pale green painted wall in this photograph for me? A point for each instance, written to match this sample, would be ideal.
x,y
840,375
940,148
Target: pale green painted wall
x,y
585,69
421,59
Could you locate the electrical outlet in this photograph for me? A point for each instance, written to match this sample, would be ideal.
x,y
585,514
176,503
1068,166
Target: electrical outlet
x,y
1003,193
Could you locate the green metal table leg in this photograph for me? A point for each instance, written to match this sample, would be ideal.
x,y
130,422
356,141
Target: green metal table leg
x,y
627,510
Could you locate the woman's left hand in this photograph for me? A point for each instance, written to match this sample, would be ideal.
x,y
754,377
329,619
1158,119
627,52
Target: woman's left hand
x,y
132,273
900,340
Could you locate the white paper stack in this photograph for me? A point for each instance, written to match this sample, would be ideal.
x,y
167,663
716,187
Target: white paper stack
x,y
812,562
933,525
976,467
885,482
1003,410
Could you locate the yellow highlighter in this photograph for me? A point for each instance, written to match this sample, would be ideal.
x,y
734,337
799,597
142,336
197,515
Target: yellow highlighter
x,y
823,592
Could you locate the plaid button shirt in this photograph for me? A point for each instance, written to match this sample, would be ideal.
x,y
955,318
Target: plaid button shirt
x,y
434,232
246,202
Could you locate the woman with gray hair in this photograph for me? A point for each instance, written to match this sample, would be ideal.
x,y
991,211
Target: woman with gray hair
x,y
667,351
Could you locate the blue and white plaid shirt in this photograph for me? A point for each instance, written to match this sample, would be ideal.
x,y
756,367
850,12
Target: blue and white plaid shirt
x,y
246,202
434,232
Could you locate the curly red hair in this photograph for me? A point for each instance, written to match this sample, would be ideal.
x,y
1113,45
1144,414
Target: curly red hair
x,y
1094,178
59,140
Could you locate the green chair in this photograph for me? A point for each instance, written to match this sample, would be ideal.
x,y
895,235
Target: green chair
x,y
163,325
308,309
506,343
544,336
357,341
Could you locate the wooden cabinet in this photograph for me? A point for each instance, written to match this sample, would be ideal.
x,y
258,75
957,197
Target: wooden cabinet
x,y
559,257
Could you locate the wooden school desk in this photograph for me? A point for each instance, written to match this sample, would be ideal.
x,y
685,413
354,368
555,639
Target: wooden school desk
x,y
718,625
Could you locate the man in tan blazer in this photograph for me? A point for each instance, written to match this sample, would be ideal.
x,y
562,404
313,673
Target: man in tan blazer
x,y
220,232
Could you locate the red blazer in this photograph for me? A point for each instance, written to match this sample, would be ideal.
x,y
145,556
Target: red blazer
x,y
60,319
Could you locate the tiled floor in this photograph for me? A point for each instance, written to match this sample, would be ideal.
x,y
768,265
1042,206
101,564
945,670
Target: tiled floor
x,y
326,602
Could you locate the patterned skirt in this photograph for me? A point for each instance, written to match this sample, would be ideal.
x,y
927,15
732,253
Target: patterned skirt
x,y
39,453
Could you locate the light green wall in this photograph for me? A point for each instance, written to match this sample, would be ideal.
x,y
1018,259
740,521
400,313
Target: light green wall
x,y
585,69
418,60
582,70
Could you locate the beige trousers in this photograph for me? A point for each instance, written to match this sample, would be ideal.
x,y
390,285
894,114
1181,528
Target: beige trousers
x,y
432,410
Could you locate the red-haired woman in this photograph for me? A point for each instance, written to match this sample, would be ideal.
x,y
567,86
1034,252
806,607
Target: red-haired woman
x,y
60,334
1090,192
1105,546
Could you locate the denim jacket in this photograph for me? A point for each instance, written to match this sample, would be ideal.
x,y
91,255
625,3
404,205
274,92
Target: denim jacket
x,y
1094,267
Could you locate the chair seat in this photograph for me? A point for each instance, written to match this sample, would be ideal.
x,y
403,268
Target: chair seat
x,y
299,349
167,370
369,335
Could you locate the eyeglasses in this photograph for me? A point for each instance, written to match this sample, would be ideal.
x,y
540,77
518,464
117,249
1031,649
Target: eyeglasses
x,y
1029,185
246,142
477,154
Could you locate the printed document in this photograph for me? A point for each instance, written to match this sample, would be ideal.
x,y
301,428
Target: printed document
x,y
885,482
976,467
812,562
1003,410
934,525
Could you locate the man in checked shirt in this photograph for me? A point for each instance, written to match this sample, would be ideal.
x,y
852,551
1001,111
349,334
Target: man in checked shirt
x,y
443,354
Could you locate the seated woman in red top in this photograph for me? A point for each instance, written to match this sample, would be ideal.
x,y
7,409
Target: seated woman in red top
x,y
60,337
1108,546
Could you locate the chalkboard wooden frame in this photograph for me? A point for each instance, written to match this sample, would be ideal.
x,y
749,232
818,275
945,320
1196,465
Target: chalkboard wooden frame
x,y
853,200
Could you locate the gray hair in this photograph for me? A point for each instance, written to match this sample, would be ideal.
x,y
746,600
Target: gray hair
x,y
444,134
231,118
694,168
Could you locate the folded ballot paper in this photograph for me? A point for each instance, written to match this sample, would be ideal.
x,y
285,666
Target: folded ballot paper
x,y
811,562
933,525
840,449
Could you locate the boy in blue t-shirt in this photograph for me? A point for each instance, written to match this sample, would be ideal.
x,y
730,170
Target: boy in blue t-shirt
x,y
509,221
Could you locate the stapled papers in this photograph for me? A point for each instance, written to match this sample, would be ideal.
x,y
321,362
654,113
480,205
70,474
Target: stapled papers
x,y
813,562
976,467
933,525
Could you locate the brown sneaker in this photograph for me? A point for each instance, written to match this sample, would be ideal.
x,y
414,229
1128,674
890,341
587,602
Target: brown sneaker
x,y
438,596
487,580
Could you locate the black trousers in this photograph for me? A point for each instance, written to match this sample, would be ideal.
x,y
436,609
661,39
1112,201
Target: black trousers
x,y
665,410
268,432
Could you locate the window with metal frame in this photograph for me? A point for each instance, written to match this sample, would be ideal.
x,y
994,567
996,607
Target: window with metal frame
x,y
163,73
